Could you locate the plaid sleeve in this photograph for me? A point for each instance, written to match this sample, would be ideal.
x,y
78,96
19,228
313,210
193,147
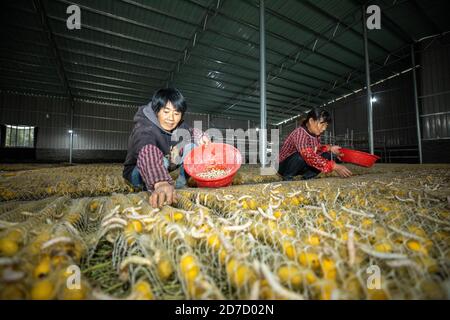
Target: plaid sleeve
x,y
151,166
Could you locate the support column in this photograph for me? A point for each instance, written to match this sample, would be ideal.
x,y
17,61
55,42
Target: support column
x,y
416,103
333,133
71,134
369,90
262,79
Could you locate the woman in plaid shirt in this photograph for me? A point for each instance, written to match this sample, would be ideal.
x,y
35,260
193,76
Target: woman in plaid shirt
x,y
154,147
303,154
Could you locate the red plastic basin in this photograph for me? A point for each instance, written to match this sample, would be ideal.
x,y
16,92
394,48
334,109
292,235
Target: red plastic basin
x,y
214,156
358,157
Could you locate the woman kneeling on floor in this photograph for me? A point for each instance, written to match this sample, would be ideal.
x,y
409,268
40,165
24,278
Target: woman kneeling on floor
x,y
303,154
152,151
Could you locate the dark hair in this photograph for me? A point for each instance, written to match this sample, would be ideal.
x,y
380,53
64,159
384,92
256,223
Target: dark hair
x,y
317,114
162,96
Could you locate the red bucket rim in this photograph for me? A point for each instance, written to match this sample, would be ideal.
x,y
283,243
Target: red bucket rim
x,y
359,158
359,153
235,166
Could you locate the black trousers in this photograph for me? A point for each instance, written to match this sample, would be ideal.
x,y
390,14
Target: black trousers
x,y
294,165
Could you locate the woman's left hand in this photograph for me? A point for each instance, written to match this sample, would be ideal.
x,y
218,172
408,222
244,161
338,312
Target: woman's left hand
x,y
204,140
336,150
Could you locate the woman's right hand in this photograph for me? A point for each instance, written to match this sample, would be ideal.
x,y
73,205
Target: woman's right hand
x,y
342,171
163,194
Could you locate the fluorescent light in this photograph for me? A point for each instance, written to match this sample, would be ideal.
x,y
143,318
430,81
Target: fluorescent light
x,y
70,131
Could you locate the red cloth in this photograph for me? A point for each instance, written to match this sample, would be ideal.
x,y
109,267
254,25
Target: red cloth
x,y
309,147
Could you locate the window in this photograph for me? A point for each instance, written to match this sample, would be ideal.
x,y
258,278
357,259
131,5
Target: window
x,y
19,136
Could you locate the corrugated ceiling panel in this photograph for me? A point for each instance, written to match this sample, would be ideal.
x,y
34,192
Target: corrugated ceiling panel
x,y
113,83
434,13
118,55
412,20
208,74
19,11
241,10
78,57
148,38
